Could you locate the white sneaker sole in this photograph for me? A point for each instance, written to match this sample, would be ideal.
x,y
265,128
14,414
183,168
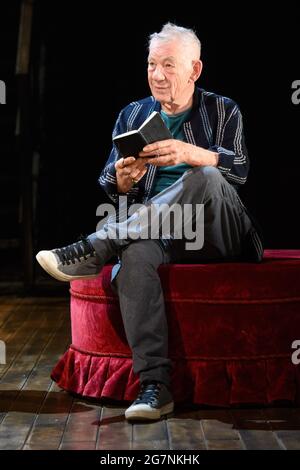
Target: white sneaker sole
x,y
49,263
145,412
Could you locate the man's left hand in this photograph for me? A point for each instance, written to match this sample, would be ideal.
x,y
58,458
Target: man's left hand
x,y
172,152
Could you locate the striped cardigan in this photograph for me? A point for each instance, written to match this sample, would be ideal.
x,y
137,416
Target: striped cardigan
x,y
215,124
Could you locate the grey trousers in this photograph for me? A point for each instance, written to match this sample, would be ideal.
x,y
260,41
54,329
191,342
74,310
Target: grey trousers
x,y
229,234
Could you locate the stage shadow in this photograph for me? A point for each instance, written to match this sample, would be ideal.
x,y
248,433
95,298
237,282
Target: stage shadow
x,y
247,417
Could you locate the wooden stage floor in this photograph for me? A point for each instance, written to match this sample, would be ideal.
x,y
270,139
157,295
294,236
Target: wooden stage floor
x,y
36,414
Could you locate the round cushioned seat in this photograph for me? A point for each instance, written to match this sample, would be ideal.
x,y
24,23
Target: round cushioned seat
x,y
231,328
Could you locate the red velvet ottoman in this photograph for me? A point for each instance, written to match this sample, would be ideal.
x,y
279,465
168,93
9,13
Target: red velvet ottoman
x,y
231,330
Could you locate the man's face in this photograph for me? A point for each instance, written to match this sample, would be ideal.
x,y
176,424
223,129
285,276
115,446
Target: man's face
x,y
169,72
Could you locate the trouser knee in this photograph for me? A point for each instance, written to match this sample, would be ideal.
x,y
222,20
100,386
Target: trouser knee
x,y
139,263
208,177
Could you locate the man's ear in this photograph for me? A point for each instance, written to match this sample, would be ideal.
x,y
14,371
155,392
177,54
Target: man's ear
x,y
197,69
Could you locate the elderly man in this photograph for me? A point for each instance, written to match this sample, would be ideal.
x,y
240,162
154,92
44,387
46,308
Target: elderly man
x,y
204,163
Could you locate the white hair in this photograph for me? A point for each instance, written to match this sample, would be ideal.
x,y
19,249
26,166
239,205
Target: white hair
x,y
171,32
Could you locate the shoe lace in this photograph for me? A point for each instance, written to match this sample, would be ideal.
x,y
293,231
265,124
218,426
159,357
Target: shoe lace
x,y
148,394
79,250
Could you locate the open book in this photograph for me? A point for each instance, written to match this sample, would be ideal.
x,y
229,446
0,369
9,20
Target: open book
x,y
152,130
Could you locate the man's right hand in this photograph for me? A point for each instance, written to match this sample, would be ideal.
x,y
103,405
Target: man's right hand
x,y
129,171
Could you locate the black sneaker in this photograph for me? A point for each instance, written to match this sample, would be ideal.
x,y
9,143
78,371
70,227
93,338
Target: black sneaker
x,y
154,400
76,261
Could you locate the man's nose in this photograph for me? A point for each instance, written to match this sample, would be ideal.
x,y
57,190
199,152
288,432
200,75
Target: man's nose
x,y
158,73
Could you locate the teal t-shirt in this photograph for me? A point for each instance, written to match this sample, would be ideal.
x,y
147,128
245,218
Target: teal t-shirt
x,y
167,175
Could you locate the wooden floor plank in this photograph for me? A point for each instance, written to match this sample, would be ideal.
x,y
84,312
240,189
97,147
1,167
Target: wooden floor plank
x,y
114,432
26,392
8,306
150,435
215,429
35,374
161,444
185,434
49,424
224,444
80,445
24,323
291,443
15,333
24,361
259,440
82,425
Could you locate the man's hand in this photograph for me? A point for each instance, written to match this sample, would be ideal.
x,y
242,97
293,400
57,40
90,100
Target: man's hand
x,y
172,152
129,171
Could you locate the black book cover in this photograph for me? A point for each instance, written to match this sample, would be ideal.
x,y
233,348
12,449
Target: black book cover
x,y
152,130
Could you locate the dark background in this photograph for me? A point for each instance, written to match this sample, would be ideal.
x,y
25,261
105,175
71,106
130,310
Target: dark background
x,y
94,63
